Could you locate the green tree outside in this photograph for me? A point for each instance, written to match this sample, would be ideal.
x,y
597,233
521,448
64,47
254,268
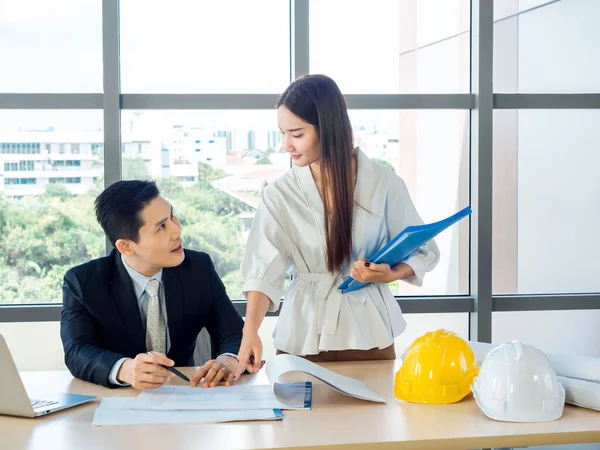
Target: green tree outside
x,y
42,237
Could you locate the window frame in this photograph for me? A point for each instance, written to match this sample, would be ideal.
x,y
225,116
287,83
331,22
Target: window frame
x,y
481,102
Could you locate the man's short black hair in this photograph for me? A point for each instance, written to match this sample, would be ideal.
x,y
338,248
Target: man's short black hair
x,y
119,208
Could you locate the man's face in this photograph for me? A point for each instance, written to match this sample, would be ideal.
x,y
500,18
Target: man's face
x,y
159,242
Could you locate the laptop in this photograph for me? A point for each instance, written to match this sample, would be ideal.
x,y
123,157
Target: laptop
x,y
14,400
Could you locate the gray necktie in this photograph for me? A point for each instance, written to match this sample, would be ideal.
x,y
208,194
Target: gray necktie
x,y
155,322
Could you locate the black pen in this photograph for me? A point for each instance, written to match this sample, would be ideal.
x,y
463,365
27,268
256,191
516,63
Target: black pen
x,y
173,370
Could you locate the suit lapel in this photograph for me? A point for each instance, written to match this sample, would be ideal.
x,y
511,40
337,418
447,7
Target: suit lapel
x,y
174,304
121,287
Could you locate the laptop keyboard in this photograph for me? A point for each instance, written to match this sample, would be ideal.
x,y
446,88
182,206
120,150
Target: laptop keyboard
x,y
41,403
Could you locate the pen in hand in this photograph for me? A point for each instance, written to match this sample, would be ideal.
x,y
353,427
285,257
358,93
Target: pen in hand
x,y
173,370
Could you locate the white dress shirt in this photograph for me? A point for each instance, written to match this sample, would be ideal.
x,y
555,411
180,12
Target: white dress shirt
x,y
139,286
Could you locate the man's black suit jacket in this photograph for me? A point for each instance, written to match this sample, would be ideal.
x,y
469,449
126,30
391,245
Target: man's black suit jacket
x,y
101,321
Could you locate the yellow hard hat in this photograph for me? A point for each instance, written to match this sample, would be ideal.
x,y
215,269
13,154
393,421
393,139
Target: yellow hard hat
x,y
438,367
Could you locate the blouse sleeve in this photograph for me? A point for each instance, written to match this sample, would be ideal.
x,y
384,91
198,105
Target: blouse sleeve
x,y
263,267
400,213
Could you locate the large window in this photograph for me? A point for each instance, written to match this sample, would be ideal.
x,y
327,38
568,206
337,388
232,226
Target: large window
x,y
546,193
47,222
530,59
51,46
391,46
429,149
211,165
462,98
190,46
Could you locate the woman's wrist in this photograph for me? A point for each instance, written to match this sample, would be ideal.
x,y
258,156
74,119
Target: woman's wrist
x,y
402,271
250,328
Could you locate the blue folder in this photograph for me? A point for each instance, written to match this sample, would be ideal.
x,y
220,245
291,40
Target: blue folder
x,y
404,244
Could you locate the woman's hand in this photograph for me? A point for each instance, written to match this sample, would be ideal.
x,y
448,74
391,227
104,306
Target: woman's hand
x,y
250,354
367,272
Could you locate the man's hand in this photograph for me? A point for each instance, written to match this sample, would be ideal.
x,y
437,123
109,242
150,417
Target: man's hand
x,y
367,272
215,371
144,371
250,354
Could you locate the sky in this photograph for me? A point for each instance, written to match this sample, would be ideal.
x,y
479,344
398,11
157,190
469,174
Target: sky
x,y
203,46
228,46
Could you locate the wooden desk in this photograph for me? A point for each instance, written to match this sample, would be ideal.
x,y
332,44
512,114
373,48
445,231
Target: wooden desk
x,y
336,421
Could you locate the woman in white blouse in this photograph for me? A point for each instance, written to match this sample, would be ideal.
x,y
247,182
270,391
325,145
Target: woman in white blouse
x,y
318,222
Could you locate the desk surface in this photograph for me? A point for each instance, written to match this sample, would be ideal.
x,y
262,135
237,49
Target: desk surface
x,y
334,421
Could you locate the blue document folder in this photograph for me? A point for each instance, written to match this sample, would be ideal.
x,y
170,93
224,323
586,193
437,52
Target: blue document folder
x,y
404,244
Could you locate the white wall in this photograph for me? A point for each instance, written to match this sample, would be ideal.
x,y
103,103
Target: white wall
x,y
37,346
34,346
574,332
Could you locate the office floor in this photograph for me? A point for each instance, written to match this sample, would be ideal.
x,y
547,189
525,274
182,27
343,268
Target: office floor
x,y
559,447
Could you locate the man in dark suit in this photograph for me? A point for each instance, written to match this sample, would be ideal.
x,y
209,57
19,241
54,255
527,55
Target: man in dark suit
x,y
143,305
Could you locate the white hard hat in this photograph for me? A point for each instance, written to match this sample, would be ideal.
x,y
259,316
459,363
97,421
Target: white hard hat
x,y
516,383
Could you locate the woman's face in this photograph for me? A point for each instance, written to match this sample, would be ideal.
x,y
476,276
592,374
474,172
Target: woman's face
x,y
300,139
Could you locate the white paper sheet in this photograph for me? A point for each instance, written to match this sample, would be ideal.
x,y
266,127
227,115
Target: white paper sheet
x,y
116,411
565,365
581,392
289,396
276,395
282,364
